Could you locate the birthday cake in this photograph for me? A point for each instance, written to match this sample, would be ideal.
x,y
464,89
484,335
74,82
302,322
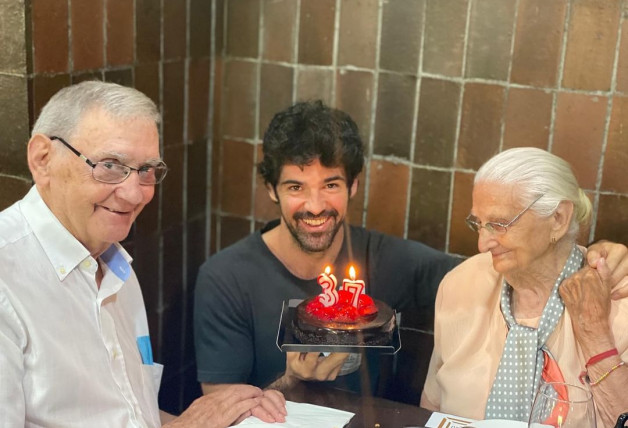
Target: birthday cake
x,y
371,323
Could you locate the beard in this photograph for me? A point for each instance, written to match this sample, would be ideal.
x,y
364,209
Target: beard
x,y
313,242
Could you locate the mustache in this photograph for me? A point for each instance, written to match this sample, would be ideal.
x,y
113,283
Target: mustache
x,y
309,216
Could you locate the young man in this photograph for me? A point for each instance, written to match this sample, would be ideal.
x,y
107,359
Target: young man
x,y
312,156
73,330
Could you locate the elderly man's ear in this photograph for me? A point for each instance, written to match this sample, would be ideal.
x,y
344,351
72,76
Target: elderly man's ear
x,y
39,156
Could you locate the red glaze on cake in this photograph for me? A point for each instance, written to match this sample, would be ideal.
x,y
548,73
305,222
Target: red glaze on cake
x,y
343,311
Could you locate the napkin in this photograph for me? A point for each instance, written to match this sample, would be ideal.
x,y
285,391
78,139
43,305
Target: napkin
x,y
305,415
444,420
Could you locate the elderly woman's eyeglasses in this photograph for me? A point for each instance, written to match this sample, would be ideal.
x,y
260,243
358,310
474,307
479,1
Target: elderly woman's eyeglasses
x,y
494,227
112,172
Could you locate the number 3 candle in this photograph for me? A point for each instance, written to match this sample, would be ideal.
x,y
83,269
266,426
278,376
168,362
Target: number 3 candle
x,y
328,281
354,286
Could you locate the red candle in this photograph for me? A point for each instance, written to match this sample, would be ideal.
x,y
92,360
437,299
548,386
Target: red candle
x,y
354,286
328,281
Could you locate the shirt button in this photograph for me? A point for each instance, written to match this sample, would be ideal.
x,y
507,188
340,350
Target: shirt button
x,y
86,264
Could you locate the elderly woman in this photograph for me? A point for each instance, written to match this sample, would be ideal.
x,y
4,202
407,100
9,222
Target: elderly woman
x,y
519,312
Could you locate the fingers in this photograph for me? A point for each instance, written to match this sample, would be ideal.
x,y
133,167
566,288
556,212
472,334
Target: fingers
x,y
313,366
595,252
272,407
621,289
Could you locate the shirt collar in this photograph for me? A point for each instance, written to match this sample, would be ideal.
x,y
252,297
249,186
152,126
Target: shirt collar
x,y
63,250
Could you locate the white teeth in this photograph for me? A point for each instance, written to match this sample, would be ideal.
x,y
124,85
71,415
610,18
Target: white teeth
x,y
314,221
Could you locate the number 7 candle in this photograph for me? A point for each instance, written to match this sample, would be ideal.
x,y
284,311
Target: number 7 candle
x,y
354,286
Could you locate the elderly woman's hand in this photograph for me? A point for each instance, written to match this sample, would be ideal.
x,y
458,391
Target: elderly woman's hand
x,y
587,296
616,258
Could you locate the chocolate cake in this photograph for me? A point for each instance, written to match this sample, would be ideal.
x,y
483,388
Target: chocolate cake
x,y
371,323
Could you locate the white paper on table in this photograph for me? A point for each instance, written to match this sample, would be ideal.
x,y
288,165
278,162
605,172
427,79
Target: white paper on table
x,y
305,415
443,420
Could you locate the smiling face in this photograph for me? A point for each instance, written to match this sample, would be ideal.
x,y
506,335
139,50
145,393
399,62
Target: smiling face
x,y
526,245
313,201
99,214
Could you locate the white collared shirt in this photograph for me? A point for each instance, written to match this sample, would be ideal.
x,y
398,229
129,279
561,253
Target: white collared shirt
x,y
69,353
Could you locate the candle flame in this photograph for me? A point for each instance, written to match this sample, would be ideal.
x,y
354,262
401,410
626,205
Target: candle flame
x,y
352,273
327,269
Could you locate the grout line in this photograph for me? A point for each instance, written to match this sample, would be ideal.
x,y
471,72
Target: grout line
x,y
258,96
295,52
210,133
335,52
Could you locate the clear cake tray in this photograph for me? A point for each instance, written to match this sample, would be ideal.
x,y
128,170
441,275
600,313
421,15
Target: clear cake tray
x,y
286,341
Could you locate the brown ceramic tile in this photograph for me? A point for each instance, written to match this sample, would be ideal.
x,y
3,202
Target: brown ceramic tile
x,y
622,62
172,187
358,33
174,27
86,75
276,89
50,36
198,99
216,157
356,204
314,84
147,80
265,209
480,127
538,41
232,229
243,28
120,32
148,30
14,126
316,31
612,218
237,177
121,76
239,102
200,27
146,267
578,134
354,95
12,189
527,119
197,238
437,122
172,265
280,17
462,240
27,39
591,42
395,113
12,37
429,207
220,27
174,99
401,35
616,155
490,39
386,210
197,179
444,36
87,34
44,87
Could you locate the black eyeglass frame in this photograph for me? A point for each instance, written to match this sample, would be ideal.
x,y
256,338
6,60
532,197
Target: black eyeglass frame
x,y
161,165
490,225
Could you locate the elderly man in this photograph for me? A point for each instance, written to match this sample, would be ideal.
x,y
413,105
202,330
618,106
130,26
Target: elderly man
x,y
73,330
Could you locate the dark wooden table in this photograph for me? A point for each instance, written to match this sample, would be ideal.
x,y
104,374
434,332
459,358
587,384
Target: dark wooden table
x,y
370,412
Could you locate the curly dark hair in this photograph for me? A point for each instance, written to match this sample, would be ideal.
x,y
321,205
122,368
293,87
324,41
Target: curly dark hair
x,y
307,131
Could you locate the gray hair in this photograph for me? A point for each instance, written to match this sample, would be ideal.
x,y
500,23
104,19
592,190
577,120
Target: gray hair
x,y
63,112
537,172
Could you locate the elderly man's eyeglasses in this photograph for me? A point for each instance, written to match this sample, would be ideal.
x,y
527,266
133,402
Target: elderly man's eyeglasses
x,y
112,172
494,227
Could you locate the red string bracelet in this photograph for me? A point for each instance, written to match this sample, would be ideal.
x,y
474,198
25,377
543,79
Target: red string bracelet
x,y
596,359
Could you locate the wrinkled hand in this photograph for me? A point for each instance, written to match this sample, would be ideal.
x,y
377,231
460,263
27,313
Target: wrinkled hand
x,y
616,258
313,366
587,297
272,408
220,408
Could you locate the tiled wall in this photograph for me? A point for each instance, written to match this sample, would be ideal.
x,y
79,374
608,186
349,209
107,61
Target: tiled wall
x,y
436,86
